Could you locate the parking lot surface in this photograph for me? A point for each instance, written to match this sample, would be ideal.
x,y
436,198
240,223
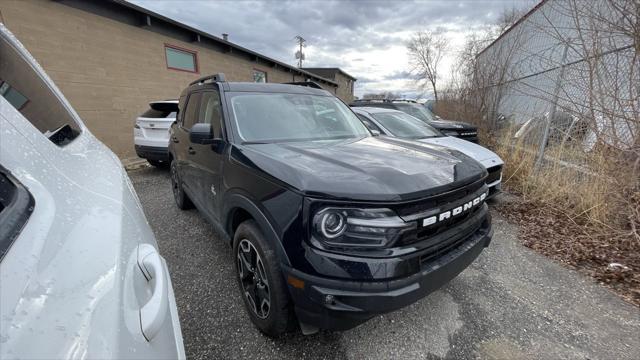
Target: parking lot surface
x,y
511,303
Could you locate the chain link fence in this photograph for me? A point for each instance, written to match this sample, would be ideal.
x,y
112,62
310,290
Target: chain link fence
x,y
566,75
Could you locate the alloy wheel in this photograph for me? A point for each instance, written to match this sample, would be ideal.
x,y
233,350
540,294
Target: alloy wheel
x,y
175,182
253,279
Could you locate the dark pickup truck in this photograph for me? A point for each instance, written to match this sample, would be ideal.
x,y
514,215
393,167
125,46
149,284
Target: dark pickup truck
x,y
329,224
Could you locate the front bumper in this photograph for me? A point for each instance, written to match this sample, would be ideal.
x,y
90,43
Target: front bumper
x,y
494,189
152,152
343,304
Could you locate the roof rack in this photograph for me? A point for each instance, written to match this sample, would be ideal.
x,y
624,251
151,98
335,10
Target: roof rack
x,y
406,100
310,84
372,100
219,77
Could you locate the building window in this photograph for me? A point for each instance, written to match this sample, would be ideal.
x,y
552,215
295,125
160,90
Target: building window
x,y
181,59
259,76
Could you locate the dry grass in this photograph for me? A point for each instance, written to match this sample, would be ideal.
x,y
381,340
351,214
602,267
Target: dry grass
x,y
585,193
587,217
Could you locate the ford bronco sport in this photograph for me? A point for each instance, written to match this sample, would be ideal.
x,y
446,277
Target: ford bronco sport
x,y
329,225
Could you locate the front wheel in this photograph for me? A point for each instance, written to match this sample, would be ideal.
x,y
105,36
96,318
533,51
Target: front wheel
x,y
260,281
182,200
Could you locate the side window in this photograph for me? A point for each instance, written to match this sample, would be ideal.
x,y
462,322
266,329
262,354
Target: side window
x,y
23,88
210,112
190,115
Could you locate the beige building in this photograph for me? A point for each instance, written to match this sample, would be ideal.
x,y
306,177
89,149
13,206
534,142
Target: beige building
x,y
110,58
345,81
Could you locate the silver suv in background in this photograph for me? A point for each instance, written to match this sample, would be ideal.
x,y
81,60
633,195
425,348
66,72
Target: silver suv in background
x,y
399,124
151,131
80,272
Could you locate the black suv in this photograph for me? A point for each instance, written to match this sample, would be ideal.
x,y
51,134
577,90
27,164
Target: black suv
x,y
329,225
458,129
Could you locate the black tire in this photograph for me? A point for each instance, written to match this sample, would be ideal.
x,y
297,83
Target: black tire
x,y
158,163
182,200
280,317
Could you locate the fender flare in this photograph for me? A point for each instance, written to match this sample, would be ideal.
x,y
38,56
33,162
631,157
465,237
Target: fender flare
x,y
240,201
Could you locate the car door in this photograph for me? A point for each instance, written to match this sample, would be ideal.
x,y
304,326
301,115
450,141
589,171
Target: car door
x,y
80,274
183,147
207,159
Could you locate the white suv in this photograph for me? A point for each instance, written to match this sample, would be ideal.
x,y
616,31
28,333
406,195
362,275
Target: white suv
x,y
151,131
80,273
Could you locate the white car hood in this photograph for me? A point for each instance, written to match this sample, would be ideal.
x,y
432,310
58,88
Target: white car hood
x,y
483,155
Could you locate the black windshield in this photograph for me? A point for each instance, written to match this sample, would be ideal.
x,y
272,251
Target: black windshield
x,y
415,110
275,117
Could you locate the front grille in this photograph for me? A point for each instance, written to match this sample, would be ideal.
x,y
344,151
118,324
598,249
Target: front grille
x,y
468,135
450,244
409,209
431,234
494,174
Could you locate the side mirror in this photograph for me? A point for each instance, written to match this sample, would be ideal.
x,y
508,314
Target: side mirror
x,y
375,132
201,133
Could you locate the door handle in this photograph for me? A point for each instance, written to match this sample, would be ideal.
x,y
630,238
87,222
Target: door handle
x,y
191,151
175,139
155,311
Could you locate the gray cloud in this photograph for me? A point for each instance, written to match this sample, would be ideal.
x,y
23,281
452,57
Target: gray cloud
x,y
335,30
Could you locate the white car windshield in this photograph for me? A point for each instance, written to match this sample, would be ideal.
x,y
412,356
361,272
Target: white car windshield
x,y
405,126
276,117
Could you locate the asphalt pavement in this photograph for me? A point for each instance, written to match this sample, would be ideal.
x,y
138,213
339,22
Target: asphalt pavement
x,y
511,303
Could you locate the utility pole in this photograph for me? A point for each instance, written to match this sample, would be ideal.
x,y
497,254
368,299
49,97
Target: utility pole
x,y
299,54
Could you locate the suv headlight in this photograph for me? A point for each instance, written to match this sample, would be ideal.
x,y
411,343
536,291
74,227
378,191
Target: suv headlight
x,y
349,227
450,133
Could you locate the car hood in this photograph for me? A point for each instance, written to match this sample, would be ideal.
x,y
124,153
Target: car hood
x,y
483,155
372,168
448,124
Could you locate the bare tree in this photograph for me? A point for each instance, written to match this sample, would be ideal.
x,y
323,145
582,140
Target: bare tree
x,y
507,18
426,50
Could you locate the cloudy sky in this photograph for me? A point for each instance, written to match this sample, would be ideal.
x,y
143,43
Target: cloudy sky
x,y
367,39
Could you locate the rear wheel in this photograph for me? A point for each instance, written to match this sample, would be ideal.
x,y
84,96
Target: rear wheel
x,y
182,200
260,281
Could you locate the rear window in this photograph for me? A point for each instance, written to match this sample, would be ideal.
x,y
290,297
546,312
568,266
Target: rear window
x,y
28,93
151,113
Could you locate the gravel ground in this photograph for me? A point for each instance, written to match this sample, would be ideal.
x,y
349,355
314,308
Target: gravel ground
x,y
511,303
